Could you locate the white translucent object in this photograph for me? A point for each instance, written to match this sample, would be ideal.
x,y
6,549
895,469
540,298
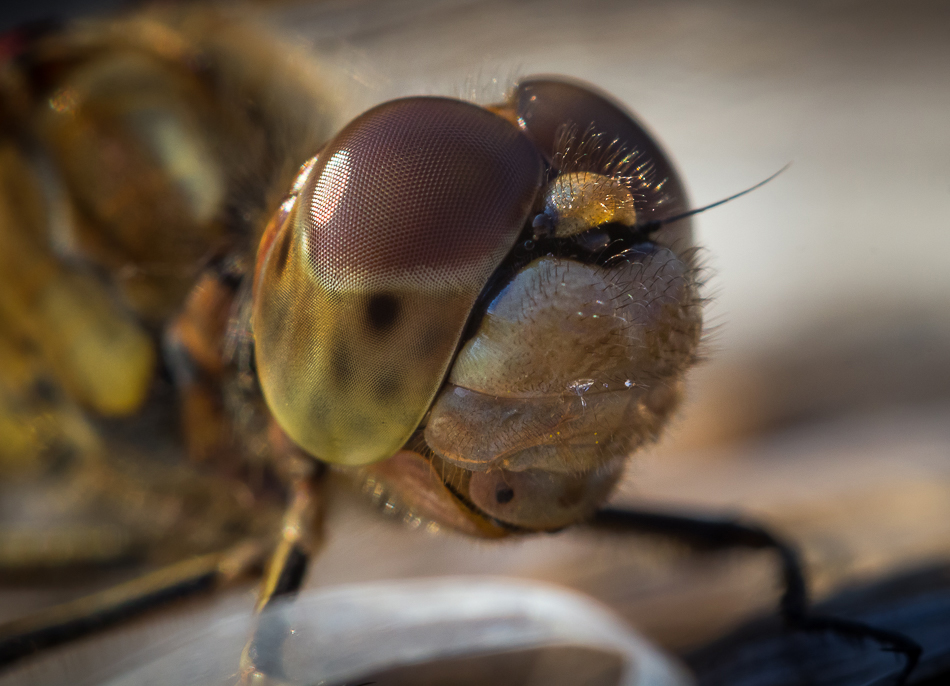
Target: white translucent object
x,y
460,630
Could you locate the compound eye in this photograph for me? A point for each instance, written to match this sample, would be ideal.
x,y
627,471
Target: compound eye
x,y
579,129
362,293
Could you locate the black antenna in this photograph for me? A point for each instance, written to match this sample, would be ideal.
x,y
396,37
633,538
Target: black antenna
x,y
646,228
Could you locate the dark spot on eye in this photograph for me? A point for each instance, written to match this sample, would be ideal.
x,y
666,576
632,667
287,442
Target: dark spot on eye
x,y
342,366
382,311
504,495
283,252
388,387
430,342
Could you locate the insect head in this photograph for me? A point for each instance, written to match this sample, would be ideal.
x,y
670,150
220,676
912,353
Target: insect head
x,y
466,293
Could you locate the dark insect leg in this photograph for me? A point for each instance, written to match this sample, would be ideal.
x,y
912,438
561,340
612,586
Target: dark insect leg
x,y
301,537
721,534
69,621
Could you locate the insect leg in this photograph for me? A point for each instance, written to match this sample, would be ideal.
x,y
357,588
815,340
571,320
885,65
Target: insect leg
x,y
300,538
709,533
69,621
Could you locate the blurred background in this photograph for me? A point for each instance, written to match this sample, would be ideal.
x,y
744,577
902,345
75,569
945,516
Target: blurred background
x,y
823,408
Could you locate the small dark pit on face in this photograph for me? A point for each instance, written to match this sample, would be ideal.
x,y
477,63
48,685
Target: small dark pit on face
x,y
504,495
382,311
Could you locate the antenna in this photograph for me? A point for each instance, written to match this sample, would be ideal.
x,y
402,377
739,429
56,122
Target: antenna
x,y
646,228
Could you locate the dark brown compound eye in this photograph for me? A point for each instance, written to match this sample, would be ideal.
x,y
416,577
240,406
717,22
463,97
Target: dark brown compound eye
x,y
396,230
554,111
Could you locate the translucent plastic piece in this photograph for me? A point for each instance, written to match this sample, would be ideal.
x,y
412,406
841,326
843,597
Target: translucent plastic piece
x,y
463,631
